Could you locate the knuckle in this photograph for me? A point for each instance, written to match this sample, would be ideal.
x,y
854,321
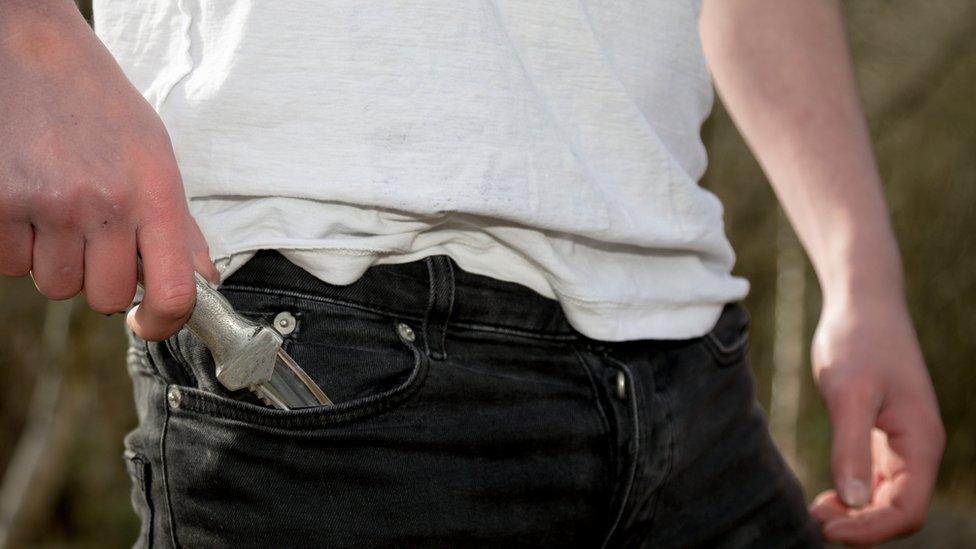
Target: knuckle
x,y
162,181
111,200
68,206
58,208
175,302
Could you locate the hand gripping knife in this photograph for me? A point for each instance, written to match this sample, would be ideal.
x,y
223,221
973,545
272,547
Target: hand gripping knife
x,y
249,355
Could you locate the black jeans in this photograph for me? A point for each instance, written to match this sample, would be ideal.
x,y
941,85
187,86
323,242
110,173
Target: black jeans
x,y
490,422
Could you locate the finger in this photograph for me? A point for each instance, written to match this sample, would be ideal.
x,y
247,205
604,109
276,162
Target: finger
x,y
915,436
110,271
901,497
827,506
200,251
903,515
58,263
167,277
867,528
16,243
852,416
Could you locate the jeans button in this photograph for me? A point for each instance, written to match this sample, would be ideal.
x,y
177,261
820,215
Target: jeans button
x,y
174,397
406,332
621,385
284,323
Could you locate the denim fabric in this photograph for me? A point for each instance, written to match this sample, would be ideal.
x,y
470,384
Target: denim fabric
x,y
495,424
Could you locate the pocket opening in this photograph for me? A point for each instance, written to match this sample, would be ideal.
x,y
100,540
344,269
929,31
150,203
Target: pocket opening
x,y
224,407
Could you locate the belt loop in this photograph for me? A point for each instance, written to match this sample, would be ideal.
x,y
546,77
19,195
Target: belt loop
x,y
439,304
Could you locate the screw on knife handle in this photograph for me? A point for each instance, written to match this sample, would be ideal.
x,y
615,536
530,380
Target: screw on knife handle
x,y
243,351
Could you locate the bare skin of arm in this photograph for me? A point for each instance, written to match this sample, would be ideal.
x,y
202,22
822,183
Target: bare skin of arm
x,y
87,175
783,69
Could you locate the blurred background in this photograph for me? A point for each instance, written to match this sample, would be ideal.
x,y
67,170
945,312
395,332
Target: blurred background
x,y
65,400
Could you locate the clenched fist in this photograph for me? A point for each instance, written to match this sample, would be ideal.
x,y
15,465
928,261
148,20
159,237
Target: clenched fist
x,y
88,178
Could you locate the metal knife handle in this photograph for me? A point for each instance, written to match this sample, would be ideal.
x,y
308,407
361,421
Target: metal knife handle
x,y
216,323
243,350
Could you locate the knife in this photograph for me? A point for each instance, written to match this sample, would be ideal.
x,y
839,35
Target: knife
x,y
249,355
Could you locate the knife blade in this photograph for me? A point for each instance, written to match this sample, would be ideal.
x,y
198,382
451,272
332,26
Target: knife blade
x,y
249,355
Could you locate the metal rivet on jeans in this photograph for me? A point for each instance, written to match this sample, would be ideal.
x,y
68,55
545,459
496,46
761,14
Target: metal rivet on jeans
x,y
406,332
621,385
174,397
284,323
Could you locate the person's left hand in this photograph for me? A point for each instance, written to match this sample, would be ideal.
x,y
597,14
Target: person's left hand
x,y
887,434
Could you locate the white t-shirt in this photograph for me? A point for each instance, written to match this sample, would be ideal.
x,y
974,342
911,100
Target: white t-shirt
x,y
553,144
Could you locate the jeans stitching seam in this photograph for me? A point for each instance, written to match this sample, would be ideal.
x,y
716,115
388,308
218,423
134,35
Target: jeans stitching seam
x,y
431,289
165,470
381,403
669,422
175,348
726,354
637,443
322,299
611,450
556,336
138,472
450,307
551,336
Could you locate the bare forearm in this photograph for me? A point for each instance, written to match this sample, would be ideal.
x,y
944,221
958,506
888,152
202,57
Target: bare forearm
x,y
782,68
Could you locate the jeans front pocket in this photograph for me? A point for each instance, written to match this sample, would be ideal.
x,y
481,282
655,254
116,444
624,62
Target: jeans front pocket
x,y
245,475
365,362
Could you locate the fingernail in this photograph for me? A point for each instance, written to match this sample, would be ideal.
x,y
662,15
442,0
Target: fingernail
x,y
854,493
130,318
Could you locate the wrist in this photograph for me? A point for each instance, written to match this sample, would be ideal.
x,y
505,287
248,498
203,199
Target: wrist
x,y
35,25
48,46
870,276
879,299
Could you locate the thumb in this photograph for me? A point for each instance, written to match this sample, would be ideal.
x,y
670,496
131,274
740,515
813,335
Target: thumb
x,y
852,416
